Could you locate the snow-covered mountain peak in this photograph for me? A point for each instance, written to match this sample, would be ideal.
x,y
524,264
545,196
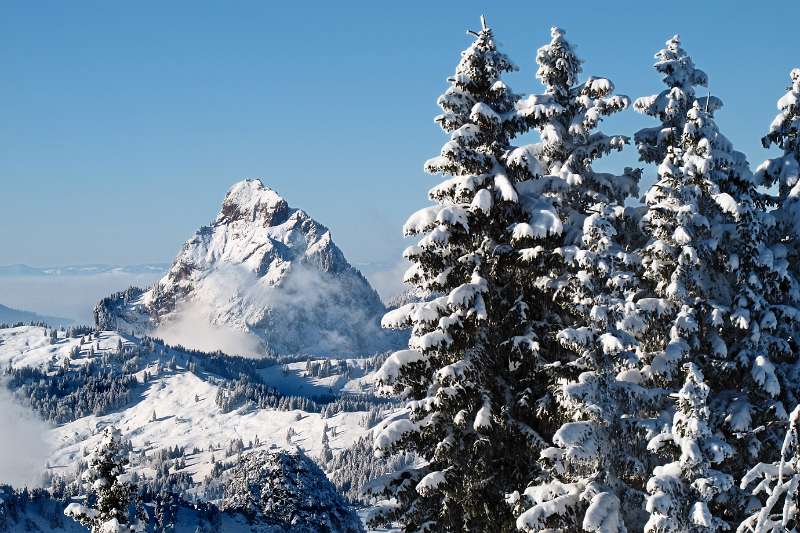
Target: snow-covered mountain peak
x,y
251,200
264,276
256,230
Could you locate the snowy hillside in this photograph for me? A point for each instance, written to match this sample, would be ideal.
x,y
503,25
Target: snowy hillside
x,y
264,277
37,511
188,416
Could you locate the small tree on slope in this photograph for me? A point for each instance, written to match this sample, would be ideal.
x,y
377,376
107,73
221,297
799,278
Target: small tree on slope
x,y
474,373
108,496
584,483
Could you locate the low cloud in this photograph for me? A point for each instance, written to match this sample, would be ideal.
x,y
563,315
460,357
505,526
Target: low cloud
x,y
308,312
23,446
389,282
191,327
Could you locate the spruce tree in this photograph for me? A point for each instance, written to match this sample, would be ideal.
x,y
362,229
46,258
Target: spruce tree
x,y
784,171
108,498
474,373
583,486
670,105
326,455
680,491
715,277
688,266
763,324
778,460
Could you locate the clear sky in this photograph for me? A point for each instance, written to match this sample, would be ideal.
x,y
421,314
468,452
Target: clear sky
x,y
122,124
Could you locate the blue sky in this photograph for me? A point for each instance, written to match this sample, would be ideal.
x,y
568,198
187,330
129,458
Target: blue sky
x,y
123,124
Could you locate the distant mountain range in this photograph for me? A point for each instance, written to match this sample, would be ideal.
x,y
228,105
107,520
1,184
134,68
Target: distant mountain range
x,y
13,316
82,270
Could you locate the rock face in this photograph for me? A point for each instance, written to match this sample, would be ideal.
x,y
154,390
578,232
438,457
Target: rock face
x,y
261,268
287,492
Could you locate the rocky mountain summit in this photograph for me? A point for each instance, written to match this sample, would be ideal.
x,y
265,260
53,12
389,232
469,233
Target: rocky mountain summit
x,y
265,271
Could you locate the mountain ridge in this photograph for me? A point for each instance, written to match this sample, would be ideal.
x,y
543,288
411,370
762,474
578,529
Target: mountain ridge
x,y
89,269
9,315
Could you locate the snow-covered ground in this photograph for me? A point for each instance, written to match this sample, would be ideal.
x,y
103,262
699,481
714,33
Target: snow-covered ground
x,y
298,382
177,407
182,421
30,346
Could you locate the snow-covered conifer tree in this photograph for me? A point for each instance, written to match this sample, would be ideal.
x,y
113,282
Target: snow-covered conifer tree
x,y
108,498
670,105
715,285
326,455
680,491
780,484
584,487
784,170
473,373
777,477
761,331
784,173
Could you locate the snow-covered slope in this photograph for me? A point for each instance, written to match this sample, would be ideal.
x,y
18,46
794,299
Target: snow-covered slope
x,y
263,277
187,416
174,402
38,511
